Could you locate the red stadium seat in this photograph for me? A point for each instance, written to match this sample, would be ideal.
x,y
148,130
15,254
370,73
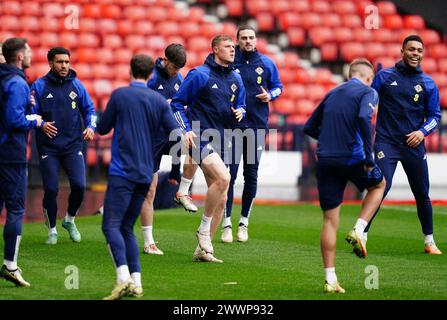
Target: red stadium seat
x,y
68,40
158,14
49,39
144,27
442,65
362,5
291,59
92,10
29,23
429,65
198,44
440,79
9,23
87,25
385,62
84,71
437,51
296,36
102,71
393,50
393,21
414,22
342,35
88,55
123,55
196,14
310,20
125,27
168,28
305,107
12,8
208,29
121,71
112,41
320,35
137,13
329,52
316,92
176,15
156,43
279,6
106,26
92,156
235,8
374,50
102,88
188,29
89,40
362,35
443,96
39,54
386,8
300,6
284,106
429,36
296,119
344,7
352,21
351,50
266,21
384,35
107,55
134,41
289,19
321,6
106,156
256,6
330,20
53,9
229,29
295,91
111,11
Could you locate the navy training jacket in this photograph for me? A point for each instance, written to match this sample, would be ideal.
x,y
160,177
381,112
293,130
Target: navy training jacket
x,y
136,113
342,123
14,106
209,91
65,101
409,101
257,70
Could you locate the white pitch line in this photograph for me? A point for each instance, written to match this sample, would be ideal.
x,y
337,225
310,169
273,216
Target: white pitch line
x,y
410,209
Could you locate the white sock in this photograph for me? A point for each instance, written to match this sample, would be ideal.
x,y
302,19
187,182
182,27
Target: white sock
x,y
69,218
360,226
147,235
226,222
429,238
244,220
365,236
331,277
11,265
136,278
184,186
52,230
122,273
205,224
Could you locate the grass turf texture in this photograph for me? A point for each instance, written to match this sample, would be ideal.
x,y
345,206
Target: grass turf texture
x,y
281,260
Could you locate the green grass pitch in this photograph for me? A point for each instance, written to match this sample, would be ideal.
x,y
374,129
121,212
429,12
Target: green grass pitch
x,y
281,260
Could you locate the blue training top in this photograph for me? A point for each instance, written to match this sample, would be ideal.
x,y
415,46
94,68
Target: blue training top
x,y
342,123
257,70
14,105
65,101
409,101
136,113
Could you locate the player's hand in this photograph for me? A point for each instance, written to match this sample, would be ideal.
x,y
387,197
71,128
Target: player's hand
x,y
32,100
49,129
88,134
415,138
189,139
264,96
238,113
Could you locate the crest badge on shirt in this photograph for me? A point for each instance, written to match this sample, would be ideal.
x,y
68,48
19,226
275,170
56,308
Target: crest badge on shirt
x,y
73,95
234,87
176,87
418,88
259,70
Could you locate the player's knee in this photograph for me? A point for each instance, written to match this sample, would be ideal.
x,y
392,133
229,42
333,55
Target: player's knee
x,y
51,193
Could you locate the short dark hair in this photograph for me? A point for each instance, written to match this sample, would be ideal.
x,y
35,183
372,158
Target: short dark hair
x,y
11,47
176,53
218,39
242,28
56,50
353,66
413,37
141,66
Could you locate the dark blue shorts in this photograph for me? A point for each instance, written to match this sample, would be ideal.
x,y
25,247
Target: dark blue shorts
x,y
332,178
